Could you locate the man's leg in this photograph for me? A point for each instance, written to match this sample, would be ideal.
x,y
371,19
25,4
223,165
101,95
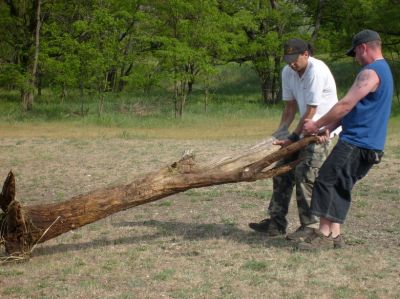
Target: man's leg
x,y
313,156
306,173
332,194
279,204
278,207
328,227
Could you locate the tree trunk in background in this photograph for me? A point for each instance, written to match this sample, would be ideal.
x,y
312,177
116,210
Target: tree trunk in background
x,y
269,80
266,90
39,82
276,82
182,96
175,98
206,96
28,93
274,4
396,75
27,98
23,227
317,25
123,73
111,79
190,87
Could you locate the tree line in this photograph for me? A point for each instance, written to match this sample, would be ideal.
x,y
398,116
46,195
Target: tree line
x,y
98,46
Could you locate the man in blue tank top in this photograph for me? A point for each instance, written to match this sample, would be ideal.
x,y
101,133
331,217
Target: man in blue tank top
x,y
363,114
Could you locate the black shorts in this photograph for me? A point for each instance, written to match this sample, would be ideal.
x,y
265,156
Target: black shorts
x,y
345,165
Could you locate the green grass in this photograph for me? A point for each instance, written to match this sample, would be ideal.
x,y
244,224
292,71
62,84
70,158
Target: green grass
x,y
235,94
164,275
255,265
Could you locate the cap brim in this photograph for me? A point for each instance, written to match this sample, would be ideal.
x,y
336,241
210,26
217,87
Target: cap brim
x,y
289,58
351,52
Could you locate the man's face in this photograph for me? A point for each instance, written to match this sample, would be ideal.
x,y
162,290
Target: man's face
x,y
300,64
360,51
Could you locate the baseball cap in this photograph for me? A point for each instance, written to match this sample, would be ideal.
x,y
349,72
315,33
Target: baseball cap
x,y
363,36
293,48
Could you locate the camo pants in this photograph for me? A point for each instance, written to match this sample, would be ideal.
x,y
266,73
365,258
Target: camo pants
x,y
303,177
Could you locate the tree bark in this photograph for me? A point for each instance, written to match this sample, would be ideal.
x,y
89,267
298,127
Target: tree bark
x,y
28,94
266,90
24,226
318,16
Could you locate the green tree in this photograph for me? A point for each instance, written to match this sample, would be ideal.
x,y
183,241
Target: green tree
x,y
90,45
337,21
192,37
266,24
20,30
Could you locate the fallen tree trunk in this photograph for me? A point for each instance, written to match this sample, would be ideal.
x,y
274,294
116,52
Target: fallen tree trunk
x,y
24,226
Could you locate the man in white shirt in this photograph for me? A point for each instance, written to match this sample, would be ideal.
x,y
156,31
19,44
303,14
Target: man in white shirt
x,y
308,87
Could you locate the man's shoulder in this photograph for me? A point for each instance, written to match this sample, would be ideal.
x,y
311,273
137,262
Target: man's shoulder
x,y
287,71
379,64
318,67
317,63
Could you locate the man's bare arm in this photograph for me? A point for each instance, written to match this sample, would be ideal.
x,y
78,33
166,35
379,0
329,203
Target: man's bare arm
x,y
309,114
367,81
288,114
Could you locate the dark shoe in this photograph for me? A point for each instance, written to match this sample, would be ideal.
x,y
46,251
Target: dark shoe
x,y
338,242
316,241
301,234
268,226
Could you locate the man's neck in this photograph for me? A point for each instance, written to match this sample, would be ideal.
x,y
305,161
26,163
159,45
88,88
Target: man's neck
x,y
302,71
374,57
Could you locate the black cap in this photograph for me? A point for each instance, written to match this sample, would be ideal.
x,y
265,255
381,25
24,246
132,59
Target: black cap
x,y
293,48
362,37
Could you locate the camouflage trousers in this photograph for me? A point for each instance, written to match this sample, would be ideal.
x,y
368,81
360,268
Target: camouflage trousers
x,y
303,177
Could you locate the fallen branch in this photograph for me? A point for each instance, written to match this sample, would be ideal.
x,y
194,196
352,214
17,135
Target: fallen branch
x,y
22,227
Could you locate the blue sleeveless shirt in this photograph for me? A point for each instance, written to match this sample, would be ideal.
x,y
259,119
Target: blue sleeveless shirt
x,y
365,125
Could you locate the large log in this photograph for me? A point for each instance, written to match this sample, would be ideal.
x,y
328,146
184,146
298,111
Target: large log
x,y
22,227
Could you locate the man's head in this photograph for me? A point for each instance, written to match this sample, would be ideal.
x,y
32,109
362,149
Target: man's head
x,y
368,37
296,53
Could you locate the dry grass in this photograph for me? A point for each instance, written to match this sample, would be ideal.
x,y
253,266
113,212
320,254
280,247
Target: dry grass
x,y
191,245
212,128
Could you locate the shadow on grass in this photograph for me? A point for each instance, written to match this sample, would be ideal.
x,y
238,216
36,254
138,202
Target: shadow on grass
x,y
188,231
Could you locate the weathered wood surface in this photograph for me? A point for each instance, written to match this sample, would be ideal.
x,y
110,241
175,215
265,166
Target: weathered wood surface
x,y
24,226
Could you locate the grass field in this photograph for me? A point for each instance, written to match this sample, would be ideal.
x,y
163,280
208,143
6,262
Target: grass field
x,y
195,244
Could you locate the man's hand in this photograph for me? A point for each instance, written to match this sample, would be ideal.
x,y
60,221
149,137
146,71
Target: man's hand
x,y
323,136
310,127
283,143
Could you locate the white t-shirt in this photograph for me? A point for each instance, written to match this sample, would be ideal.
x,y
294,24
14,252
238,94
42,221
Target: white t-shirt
x,y
316,87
